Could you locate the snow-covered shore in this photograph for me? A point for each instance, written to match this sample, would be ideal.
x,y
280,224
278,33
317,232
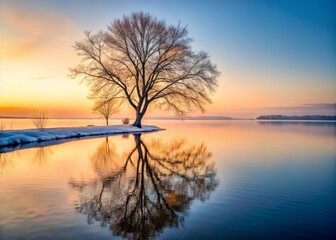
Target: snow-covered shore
x,y
18,137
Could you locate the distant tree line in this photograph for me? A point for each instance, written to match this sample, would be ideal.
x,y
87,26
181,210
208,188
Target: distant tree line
x,y
305,117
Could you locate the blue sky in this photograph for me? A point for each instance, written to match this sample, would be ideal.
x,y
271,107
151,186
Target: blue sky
x,y
282,33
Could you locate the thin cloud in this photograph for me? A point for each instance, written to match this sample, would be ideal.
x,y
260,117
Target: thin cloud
x,y
39,78
303,109
330,106
25,31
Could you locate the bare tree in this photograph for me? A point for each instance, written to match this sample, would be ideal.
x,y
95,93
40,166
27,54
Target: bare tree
x,y
40,118
146,62
106,108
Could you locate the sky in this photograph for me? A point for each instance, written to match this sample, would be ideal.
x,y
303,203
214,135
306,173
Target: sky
x,y
274,57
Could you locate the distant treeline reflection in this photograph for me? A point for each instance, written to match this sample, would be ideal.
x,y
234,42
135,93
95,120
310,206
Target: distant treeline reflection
x,y
305,117
299,123
143,191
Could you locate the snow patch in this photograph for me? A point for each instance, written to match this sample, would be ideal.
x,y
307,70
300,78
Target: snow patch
x,y
17,137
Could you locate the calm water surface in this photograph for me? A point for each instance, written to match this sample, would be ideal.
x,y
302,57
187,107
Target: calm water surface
x,y
196,180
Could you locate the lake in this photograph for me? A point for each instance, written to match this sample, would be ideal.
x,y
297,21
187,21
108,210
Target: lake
x,y
195,180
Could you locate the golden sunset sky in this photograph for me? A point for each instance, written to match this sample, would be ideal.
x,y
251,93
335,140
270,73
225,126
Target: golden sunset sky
x,y
275,57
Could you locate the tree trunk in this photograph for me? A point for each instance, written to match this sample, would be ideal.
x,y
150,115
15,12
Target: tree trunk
x,y
137,122
106,121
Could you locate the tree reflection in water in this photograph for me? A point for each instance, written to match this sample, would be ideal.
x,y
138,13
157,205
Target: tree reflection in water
x,y
41,155
7,161
3,162
151,189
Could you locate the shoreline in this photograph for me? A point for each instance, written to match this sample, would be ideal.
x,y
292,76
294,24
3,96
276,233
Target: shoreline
x,y
15,138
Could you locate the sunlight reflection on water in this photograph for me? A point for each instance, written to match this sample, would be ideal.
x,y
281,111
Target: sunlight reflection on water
x,y
196,180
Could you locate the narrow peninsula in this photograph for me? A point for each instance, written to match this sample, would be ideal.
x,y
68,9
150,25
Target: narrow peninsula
x,y
19,137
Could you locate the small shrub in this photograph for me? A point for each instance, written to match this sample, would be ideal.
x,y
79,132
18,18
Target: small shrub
x,y
125,121
40,119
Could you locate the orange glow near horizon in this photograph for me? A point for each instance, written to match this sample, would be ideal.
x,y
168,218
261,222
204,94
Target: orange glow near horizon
x,y
36,52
